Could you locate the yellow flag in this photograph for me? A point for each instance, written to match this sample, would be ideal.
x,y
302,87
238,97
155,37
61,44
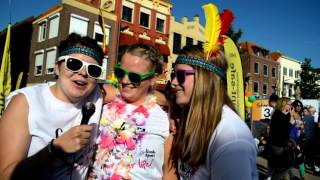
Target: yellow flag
x,y
19,80
234,75
5,72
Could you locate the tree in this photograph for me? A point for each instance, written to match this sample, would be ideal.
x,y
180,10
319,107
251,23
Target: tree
x,y
307,83
235,36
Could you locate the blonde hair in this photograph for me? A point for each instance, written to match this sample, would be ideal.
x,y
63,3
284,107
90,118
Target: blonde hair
x,y
204,114
312,110
281,103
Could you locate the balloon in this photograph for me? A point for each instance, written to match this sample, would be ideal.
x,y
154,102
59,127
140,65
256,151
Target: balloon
x,y
246,98
252,99
248,104
248,93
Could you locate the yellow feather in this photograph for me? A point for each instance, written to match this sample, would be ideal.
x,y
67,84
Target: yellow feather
x,y
212,29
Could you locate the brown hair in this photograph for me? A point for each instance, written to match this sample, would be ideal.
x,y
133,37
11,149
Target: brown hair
x,y
209,96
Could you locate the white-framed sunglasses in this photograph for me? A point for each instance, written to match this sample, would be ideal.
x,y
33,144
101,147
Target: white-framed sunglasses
x,y
75,64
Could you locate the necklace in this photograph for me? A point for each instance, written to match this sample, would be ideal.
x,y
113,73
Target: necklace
x,y
121,130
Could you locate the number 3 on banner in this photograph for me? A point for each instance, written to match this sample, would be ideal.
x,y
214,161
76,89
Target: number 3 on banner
x,y
266,112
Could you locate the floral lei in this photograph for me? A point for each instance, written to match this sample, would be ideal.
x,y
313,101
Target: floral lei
x,y
121,130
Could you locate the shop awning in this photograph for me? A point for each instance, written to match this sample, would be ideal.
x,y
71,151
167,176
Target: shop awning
x,y
146,41
127,39
163,49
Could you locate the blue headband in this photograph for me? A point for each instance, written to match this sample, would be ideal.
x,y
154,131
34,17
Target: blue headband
x,y
200,63
83,50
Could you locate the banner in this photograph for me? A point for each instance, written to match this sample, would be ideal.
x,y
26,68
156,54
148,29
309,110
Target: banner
x,y
5,72
234,75
18,84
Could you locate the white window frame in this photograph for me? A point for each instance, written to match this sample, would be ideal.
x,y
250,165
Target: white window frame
x,y
52,61
275,72
162,17
72,15
266,85
54,32
42,30
36,63
254,67
97,29
146,11
266,75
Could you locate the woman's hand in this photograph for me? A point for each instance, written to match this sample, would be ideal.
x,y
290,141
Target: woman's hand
x,y
74,139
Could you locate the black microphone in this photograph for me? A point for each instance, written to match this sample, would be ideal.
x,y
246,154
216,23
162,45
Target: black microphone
x,y
87,111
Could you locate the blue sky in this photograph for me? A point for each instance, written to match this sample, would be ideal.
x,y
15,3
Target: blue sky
x,y
289,26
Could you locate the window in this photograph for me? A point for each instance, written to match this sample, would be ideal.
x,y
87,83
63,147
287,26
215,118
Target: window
x,y
256,67
189,41
78,24
144,19
265,89
42,31
273,89
256,87
296,74
265,70
290,90
126,13
51,59
284,71
54,26
98,34
160,25
290,73
176,43
273,72
38,63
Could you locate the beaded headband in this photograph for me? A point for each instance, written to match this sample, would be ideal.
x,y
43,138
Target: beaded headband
x,y
83,50
201,63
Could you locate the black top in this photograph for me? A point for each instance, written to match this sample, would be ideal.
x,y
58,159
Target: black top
x,y
279,129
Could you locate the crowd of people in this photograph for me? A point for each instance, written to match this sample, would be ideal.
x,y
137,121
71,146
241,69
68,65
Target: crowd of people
x,y
292,139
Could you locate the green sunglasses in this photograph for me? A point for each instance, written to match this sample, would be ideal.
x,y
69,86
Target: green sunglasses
x,y
133,77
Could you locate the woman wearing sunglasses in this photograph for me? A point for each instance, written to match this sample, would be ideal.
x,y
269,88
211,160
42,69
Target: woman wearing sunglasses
x,y
212,141
40,132
133,127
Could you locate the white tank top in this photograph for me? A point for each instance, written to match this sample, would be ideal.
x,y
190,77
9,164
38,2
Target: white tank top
x,y
49,117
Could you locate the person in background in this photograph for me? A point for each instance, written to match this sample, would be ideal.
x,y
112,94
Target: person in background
x,y
279,136
309,132
273,100
134,131
40,132
211,139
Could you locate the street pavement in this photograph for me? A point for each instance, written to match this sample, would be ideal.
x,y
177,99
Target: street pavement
x,y
262,167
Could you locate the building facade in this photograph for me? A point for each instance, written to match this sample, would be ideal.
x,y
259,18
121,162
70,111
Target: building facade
x,y
54,25
147,22
289,74
186,32
260,71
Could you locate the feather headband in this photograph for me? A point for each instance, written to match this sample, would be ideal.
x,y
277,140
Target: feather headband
x,y
216,26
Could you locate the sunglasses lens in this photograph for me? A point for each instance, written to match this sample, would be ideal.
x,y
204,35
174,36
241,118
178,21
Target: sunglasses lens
x,y
134,78
119,73
180,76
94,71
74,64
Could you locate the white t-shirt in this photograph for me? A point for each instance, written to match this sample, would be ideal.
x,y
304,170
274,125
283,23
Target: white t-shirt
x,y
49,117
231,153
